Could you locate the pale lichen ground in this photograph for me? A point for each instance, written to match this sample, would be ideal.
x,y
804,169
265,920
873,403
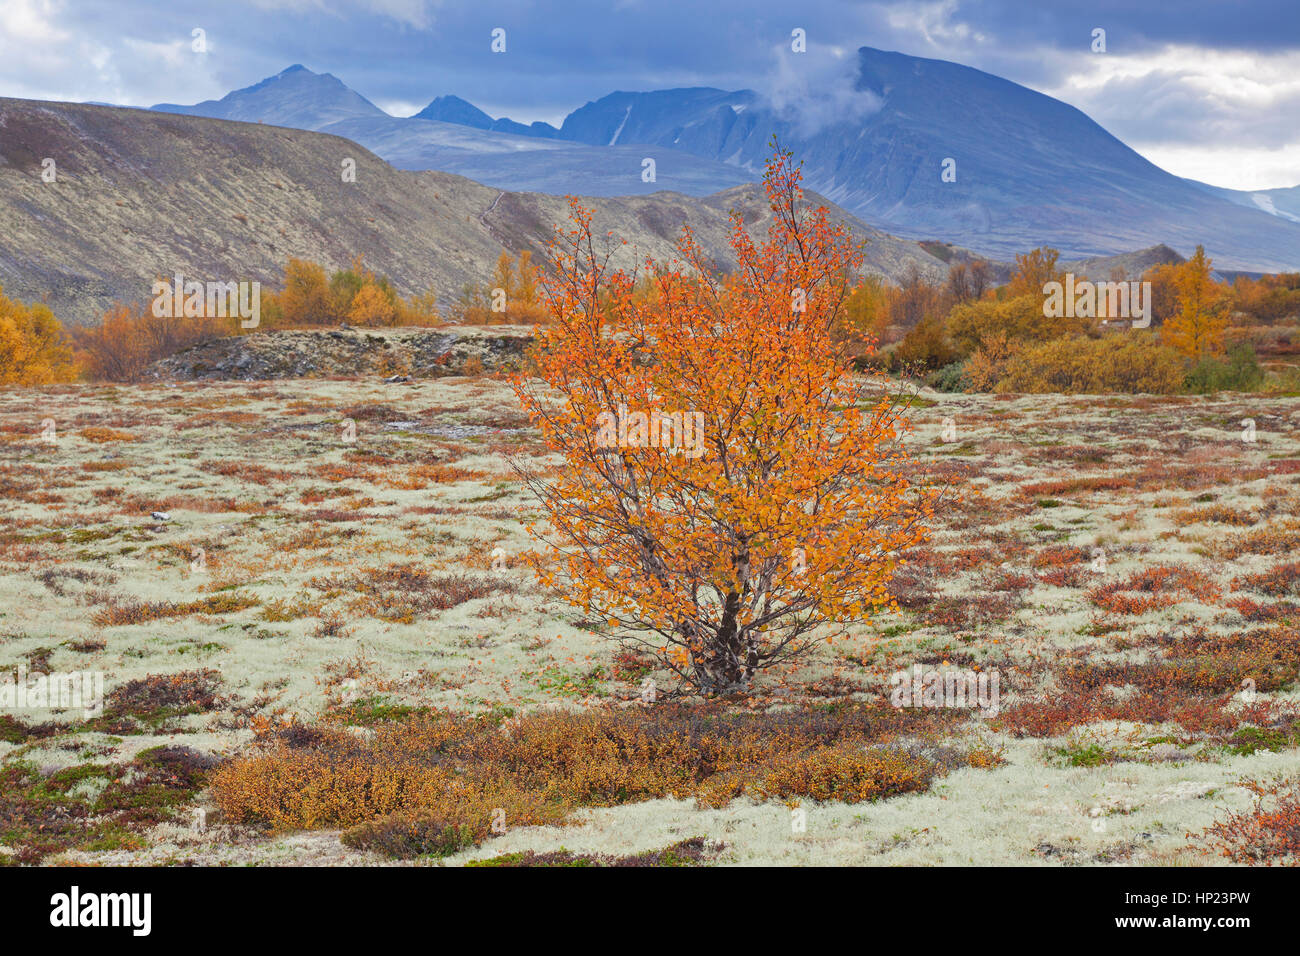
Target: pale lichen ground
x,y
270,500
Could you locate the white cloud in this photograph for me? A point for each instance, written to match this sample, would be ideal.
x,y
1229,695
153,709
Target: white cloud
x,y
31,21
1222,116
1234,168
412,13
935,22
815,89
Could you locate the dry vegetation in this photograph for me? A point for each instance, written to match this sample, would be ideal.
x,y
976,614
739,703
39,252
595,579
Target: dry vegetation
x,y
335,644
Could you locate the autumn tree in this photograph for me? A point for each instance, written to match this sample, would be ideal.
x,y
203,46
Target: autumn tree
x,y
510,295
980,277
865,315
1034,270
914,300
1198,327
130,338
1163,300
961,284
33,347
1270,298
728,493
371,307
306,298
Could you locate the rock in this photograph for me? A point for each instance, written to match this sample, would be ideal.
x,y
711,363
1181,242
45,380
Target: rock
x,y
345,352
161,516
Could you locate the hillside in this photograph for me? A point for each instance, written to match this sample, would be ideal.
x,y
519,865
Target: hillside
x,y
143,194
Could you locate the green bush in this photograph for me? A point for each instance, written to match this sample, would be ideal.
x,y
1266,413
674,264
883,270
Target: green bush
x,y
950,378
410,836
1237,372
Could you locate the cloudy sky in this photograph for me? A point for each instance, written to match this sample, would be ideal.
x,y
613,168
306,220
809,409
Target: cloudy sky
x,y
1209,90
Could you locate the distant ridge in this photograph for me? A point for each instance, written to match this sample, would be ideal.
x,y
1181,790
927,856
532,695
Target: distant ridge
x,y
142,195
1028,170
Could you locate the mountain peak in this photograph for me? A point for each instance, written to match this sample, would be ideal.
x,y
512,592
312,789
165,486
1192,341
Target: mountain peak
x,y
295,97
453,109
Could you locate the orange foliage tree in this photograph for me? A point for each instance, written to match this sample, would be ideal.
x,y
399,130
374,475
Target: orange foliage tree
x,y
1198,327
510,296
730,493
33,347
130,338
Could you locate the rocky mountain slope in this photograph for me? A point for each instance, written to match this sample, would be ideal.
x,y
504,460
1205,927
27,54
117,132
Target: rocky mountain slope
x,y
140,195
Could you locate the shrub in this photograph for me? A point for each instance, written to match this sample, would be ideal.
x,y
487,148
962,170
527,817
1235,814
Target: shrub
x,y
951,378
693,851
987,366
428,782
130,338
850,773
1019,320
402,836
33,347
1150,589
926,346
1238,372
1126,362
1268,833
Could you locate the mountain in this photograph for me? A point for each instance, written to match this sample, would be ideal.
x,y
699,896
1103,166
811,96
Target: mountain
x,y
1030,170
1129,265
454,136
535,165
295,97
141,195
698,120
1284,202
452,109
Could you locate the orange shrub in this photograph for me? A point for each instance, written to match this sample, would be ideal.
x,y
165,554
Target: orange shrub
x,y
34,349
702,539
1124,362
130,338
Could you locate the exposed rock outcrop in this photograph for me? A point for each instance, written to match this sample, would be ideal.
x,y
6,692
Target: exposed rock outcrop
x,y
345,351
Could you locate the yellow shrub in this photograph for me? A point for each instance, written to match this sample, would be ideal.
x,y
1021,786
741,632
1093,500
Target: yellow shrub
x,y
974,325
436,782
33,347
851,773
1126,362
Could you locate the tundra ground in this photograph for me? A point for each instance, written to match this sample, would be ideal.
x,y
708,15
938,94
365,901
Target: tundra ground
x,y
1128,566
